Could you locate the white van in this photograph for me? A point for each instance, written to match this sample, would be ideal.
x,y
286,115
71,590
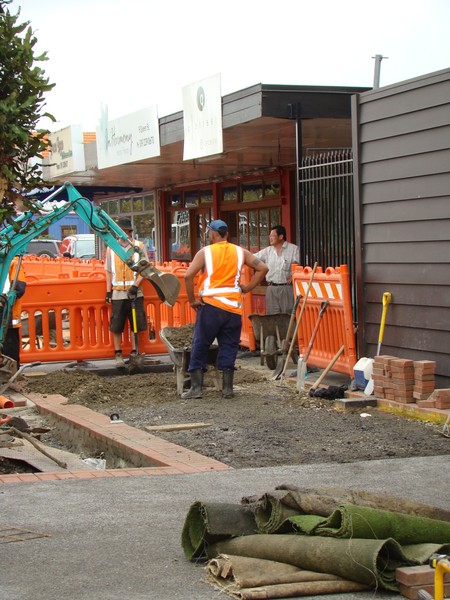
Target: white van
x,y
81,245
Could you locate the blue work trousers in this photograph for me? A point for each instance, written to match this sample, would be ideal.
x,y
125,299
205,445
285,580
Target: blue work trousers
x,y
211,323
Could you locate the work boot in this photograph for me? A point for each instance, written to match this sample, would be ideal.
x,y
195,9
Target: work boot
x,y
119,360
195,391
133,357
227,386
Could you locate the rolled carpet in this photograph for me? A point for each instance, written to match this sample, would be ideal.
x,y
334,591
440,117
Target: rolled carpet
x,y
252,578
371,523
206,523
370,562
272,508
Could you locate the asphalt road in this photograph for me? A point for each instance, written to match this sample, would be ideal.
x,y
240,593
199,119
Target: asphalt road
x,y
120,538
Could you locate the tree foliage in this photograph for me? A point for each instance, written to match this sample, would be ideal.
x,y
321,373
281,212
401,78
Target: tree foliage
x,y
22,88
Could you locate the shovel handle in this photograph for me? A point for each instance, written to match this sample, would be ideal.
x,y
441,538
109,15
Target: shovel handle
x,y
323,307
387,297
291,321
328,368
133,316
302,310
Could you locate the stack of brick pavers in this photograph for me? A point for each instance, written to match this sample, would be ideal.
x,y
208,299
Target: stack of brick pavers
x,y
403,380
413,579
423,379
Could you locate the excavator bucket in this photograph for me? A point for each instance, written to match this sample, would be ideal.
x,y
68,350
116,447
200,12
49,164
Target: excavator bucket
x,y
167,286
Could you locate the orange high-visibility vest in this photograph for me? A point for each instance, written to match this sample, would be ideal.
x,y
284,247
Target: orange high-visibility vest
x,y
122,276
220,281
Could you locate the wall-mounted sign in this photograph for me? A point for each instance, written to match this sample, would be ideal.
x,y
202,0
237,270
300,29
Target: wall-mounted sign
x,y
66,152
202,116
128,139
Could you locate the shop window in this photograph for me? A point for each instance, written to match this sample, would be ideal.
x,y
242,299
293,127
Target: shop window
x,y
275,218
263,229
252,192
230,194
175,199
125,205
203,219
191,199
149,203
271,188
138,204
253,227
144,230
111,207
206,197
243,229
179,236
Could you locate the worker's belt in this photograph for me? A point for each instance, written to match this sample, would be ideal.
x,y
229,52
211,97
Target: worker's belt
x,y
278,284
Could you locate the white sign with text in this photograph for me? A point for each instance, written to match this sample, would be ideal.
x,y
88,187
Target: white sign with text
x,y
128,139
202,116
66,152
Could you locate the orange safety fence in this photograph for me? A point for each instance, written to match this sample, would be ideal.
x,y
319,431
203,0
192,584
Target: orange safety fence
x,y
40,267
336,328
65,317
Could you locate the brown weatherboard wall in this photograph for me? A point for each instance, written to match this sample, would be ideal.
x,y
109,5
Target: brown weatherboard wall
x,y
401,140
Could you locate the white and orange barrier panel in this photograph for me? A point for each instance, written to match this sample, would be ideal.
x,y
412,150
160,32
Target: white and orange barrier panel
x,y
336,328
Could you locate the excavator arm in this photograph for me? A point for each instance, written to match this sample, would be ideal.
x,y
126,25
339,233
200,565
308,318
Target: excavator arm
x,y
14,239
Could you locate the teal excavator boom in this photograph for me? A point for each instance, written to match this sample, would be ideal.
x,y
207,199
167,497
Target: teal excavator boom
x,y
14,239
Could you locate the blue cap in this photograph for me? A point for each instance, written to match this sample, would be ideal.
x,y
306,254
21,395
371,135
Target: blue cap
x,y
218,224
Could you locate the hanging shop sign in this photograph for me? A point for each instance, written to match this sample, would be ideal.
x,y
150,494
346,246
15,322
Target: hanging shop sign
x,y
128,139
66,152
202,116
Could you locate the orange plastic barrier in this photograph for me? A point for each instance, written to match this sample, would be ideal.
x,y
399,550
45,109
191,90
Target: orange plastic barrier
x,y
40,267
65,317
336,328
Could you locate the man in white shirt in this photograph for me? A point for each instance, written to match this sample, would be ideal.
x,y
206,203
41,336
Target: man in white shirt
x,y
279,256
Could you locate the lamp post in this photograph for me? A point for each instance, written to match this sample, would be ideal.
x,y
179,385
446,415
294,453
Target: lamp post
x,y
376,77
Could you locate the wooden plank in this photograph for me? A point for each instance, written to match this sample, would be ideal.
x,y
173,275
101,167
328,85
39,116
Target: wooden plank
x,y
176,426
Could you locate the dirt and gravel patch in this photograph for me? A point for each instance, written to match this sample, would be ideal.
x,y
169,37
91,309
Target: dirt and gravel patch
x,y
266,424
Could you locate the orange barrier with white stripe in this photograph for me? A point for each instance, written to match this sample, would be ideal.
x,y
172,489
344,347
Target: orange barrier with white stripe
x,y
66,317
336,327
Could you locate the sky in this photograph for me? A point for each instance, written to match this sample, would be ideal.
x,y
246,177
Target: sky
x,y
132,54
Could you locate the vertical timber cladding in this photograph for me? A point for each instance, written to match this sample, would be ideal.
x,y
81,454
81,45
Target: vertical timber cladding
x,y
401,140
327,232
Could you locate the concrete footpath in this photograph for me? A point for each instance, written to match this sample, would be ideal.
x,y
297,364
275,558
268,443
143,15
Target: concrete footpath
x,y
119,538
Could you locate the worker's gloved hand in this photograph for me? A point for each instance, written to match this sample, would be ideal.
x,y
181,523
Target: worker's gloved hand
x,y
108,298
132,292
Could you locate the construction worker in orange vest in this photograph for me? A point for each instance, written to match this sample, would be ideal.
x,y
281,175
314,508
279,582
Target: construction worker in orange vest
x,y
219,309
122,287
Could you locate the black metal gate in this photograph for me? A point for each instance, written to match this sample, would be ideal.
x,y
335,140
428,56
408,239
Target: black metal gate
x,y
326,212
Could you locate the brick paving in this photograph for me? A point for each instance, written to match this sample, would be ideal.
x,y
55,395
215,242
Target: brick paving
x,y
131,444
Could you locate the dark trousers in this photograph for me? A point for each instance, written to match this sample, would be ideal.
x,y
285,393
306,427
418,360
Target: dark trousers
x,y
11,344
212,323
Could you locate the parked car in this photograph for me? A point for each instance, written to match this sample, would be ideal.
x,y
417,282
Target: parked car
x,y
81,245
44,247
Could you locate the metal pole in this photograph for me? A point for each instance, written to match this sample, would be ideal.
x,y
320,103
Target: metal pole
x,y
300,212
376,77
